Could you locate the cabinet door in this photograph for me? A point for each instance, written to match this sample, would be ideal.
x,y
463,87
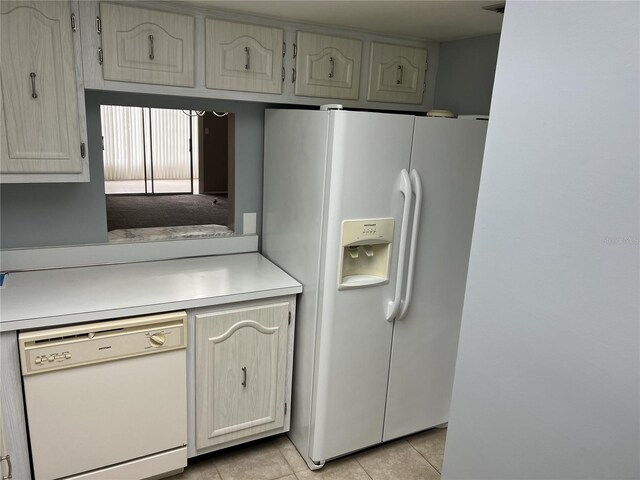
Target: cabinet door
x,y
13,431
243,57
396,73
240,372
40,128
147,46
327,66
4,461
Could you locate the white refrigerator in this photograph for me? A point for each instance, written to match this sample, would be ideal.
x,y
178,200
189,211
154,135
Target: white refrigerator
x,y
373,213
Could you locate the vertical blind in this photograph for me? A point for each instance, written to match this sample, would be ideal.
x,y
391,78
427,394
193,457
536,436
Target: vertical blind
x,y
136,137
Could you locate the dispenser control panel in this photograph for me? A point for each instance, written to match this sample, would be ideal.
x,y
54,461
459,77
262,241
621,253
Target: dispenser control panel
x,y
366,248
367,231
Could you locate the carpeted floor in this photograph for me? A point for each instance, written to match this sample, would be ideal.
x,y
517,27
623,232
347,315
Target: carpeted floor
x,y
142,211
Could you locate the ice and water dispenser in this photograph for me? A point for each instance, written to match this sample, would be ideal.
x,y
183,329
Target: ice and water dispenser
x,y
366,252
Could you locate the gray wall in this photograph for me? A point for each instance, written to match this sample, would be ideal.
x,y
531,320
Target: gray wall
x,y
548,372
67,214
466,69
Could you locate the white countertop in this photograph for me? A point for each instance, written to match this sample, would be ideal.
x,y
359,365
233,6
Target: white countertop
x,y
47,298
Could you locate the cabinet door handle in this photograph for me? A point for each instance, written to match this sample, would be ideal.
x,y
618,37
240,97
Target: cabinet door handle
x,y
399,73
244,377
332,63
247,63
151,56
10,468
32,75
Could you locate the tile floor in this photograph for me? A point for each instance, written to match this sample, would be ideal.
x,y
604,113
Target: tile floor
x,y
413,458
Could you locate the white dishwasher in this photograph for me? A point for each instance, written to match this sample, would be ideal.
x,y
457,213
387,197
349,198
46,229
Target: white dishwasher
x,y
107,400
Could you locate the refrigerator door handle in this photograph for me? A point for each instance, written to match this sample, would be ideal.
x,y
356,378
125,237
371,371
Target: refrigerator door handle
x,y
405,189
416,184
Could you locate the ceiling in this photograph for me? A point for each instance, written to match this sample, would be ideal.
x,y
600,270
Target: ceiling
x,y
426,20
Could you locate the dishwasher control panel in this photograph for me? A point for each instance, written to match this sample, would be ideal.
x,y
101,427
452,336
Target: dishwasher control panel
x,y
65,347
51,357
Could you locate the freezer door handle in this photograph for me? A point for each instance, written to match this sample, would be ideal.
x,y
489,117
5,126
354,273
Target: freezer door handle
x,y
416,185
405,189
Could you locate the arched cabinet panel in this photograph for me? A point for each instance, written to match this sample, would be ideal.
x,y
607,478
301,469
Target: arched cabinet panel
x,y
147,46
327,66
41,125
396,73
241,364
243,57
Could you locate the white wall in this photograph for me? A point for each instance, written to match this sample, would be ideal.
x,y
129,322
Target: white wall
x,y
547,381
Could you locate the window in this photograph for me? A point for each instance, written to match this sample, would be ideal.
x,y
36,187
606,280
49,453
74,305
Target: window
x,y
166,173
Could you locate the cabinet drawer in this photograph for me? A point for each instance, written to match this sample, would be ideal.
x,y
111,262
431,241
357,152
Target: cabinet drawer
x,y
327,66
243,57
396,73
241,364
147,46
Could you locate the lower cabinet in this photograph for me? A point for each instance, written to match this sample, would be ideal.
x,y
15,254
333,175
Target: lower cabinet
x,y
14,449
242,372
5,458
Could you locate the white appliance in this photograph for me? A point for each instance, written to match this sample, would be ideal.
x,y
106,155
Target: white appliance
x,y
107,400
373,213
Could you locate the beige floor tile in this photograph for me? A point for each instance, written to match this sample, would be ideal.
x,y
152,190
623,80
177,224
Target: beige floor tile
x,y
396,461
344,469
288,477
291,455
430,444
257,462
204,470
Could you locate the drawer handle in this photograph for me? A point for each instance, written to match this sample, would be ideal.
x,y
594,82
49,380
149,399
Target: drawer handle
x,y
10,468
151,56
244,377
32,75
247,64
332,62
399,73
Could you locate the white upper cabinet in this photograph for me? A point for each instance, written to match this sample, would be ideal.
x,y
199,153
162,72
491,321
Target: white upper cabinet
x,y
195,50
327,66
243,57
241,370
147,46
396,73
43,131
